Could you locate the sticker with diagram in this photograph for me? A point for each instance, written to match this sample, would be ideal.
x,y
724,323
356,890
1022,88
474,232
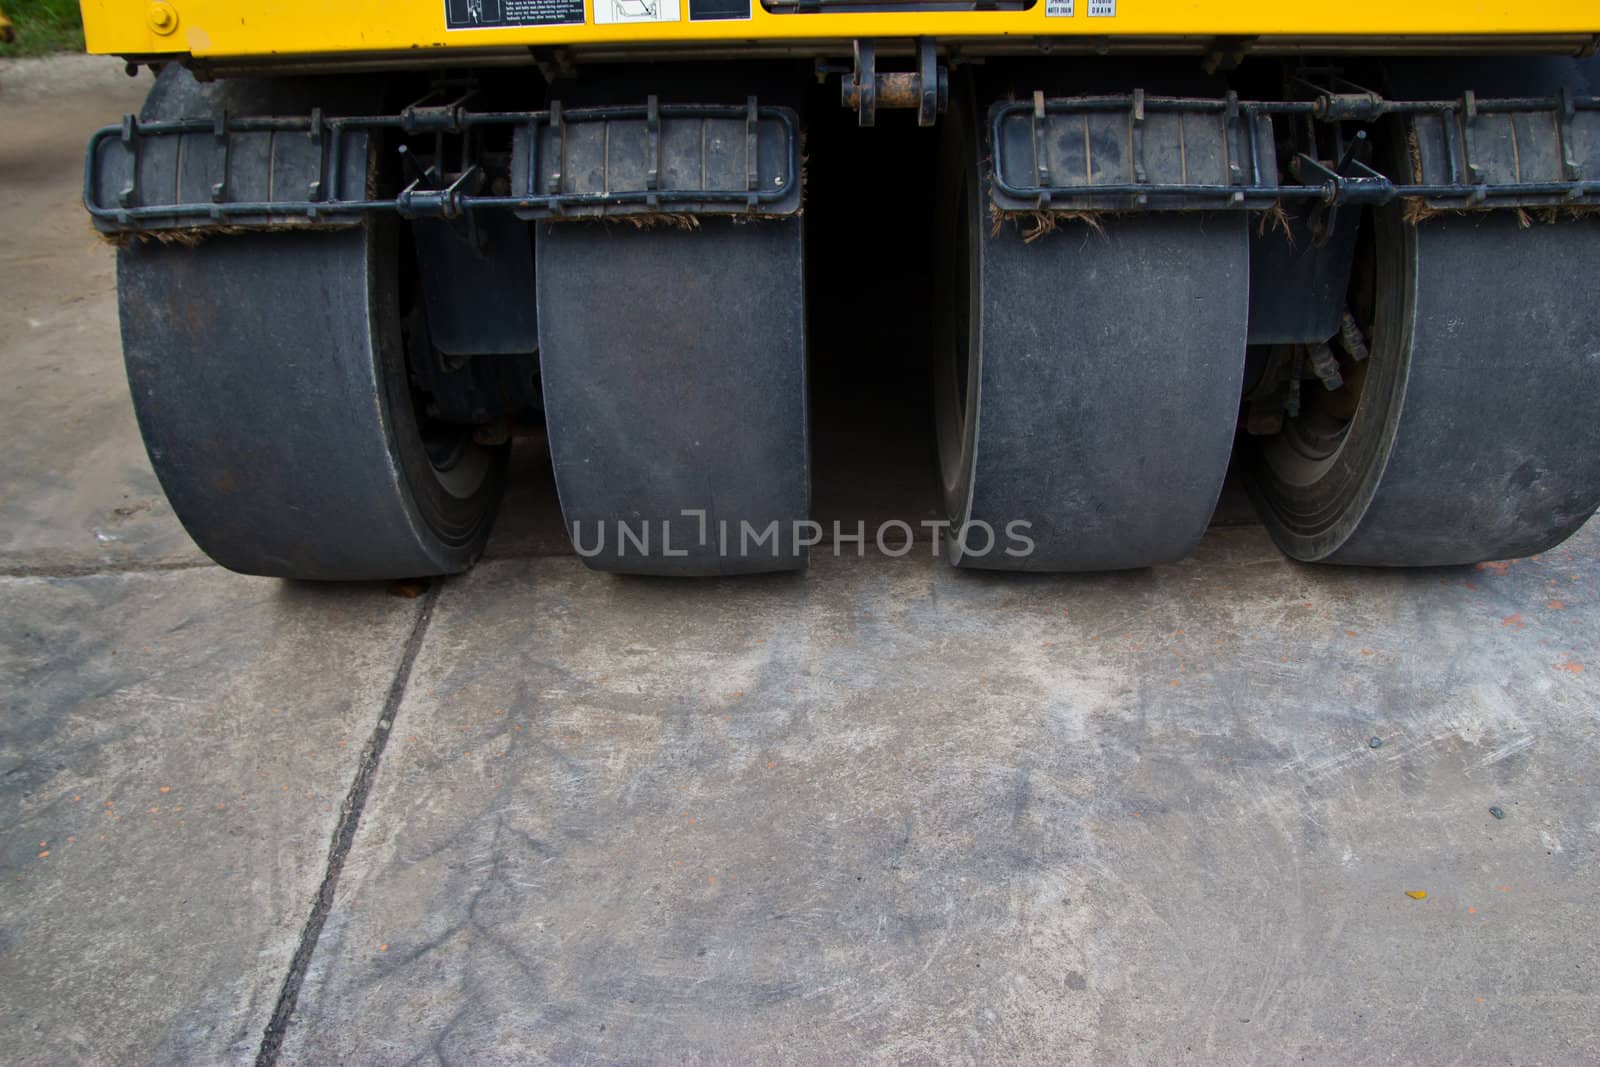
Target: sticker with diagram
x,y
610,11
489,14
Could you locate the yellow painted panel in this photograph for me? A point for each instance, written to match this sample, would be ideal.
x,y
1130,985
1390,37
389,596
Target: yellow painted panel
x,y
220,28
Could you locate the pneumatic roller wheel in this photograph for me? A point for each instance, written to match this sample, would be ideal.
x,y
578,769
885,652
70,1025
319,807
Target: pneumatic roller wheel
x,y
1087,381
269,375
673,366
1472,432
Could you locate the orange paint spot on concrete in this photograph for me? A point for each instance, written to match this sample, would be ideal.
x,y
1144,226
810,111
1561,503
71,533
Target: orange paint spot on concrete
x,y
1366,652
1514,621
711,879
384,947
1571,666
1349,633
771,763
1472,911
44,854
1173,682
1556,605
166,789
1500,566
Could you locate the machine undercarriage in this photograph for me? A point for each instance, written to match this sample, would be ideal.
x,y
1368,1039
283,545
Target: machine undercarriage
x,y
1369,282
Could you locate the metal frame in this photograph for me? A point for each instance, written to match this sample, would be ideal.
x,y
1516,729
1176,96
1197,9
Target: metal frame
x,y
424,196
1351,182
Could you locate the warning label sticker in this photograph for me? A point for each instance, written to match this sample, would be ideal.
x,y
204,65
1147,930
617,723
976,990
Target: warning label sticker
x,y
1102,9
1058,9
485,14
608,11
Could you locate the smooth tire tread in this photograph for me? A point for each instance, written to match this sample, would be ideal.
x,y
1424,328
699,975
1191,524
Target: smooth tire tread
x,y
269,375
1097,395
1477,436
673,364
1476,432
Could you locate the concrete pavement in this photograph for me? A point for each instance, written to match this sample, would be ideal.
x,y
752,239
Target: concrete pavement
x,y
176,749
880,811
898,811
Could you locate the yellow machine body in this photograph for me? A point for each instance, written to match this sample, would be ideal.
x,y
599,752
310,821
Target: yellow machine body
x,y
283,29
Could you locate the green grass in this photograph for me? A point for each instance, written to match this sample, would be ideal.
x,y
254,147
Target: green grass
x,y
43,26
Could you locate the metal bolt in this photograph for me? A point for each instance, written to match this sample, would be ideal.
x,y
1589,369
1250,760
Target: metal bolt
x,y
1497,813
1374,742
1325,365
163,17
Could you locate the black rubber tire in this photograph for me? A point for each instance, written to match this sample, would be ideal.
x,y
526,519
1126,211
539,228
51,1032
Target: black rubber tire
x,y
1476,435
673,364
1097,396
269,378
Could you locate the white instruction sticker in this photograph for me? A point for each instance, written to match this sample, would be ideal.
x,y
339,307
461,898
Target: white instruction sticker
x,y
610,11
1102,9
1058,9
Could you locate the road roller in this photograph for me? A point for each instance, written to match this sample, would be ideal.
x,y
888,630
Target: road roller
x,y
1117,248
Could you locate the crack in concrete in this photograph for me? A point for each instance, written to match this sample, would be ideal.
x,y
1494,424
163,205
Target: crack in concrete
x,y
93,570
344,836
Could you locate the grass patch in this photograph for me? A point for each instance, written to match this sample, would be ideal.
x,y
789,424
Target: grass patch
x,y
43,26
